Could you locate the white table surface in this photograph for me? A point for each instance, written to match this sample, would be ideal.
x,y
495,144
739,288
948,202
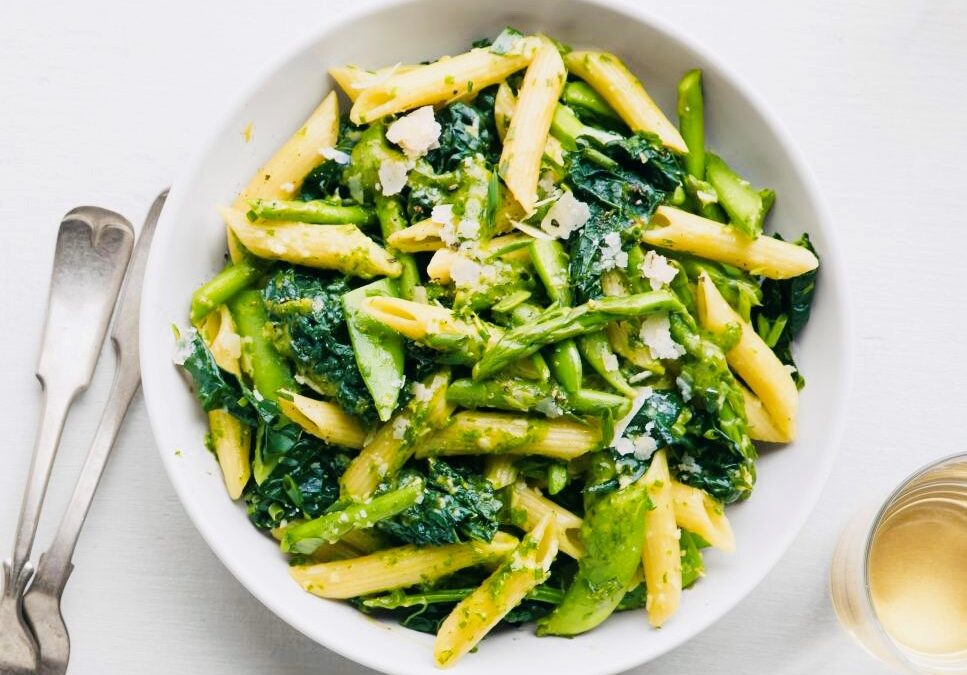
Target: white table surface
x,y
101,101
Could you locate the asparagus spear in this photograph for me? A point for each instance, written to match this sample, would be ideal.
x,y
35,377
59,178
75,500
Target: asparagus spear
x,y
598,353
691,122
221,288
561,323
316,211
551,263
567,128
582,95
329,528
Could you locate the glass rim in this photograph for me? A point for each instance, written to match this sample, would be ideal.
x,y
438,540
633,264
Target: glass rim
x,y
875,522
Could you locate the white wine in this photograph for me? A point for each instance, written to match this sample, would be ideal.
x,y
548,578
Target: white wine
x,y
918,575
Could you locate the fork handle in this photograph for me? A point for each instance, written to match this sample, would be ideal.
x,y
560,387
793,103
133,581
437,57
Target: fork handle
x,y
55,566
57,401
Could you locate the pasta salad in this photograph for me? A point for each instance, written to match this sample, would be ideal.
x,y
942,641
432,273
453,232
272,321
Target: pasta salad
x,y
496,345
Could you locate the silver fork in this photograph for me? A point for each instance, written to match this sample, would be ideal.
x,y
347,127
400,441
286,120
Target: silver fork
x,y
42,600
93,248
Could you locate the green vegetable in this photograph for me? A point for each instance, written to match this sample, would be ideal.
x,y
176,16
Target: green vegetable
x,y
566,365
261,361
458,504
786,304
379,351
550,262
361,175
389,210
613,533
747,207
738,287
598,353
568,129
303,484
309,327
518,395
332,526
215,389
466,130
581,96
325,179
691,121
561,323
693,568
222,287
316,211
623,184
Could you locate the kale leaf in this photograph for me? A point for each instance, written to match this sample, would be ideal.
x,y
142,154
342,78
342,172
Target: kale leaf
x,y
215,388
623,182
785,308
307,317
466,130
303,483
457,505
699,453
325,179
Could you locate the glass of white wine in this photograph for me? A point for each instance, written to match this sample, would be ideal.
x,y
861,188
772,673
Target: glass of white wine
x,y
899,573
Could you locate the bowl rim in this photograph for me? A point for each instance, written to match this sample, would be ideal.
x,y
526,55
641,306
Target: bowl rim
x,y
832,259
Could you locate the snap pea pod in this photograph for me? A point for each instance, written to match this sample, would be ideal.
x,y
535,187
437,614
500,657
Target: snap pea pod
x,y
613,533
222,287
261,361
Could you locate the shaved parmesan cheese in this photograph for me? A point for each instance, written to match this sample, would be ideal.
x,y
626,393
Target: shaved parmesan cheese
x,y
337,156
415,133
612,257
565,216
549,407
644,393
392,176
657,270
656,335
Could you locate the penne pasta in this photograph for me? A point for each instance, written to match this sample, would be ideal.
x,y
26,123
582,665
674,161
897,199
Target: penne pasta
x,y
280,177
661,555
520,160
418,237
324,420
759,423
697,512
415,320
751,358
625,93
399,567
485,433
477,614
354,80
500,471
394,442
534,507
504,103
679,230
223,340
231,440
337,247
439,82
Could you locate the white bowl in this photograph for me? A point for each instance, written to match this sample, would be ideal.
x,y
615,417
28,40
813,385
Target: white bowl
x,y
190,244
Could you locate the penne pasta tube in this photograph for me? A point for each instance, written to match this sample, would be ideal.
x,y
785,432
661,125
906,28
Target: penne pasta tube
x,y
624,92
477,614
504,103
500,470
439,82
520,159
223,340
697,512
534,507
418,237
338,247
486,433
353,80
399,567
759,424
751,358
231,440
679,230
661,555
280,177
324,420
394,442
